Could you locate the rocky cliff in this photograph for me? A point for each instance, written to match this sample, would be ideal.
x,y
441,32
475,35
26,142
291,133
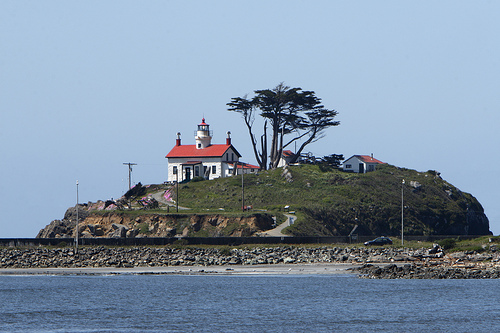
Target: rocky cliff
x,y
132,224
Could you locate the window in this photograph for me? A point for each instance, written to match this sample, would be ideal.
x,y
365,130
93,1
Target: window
x,y
232,156
214,169
199,145
371,167
196,171
348,166
174,169
205,170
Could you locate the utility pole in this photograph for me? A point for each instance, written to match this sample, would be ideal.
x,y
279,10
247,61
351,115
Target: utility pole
x,y
129,173
76,242
402,214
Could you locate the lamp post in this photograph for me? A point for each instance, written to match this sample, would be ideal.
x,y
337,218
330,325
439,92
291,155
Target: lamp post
x,y
402,215
242,188
76,241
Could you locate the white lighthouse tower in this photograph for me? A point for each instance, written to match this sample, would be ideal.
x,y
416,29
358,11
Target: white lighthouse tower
x,y
203,136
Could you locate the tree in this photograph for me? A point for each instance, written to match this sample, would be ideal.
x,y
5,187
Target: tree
x,y
247,109
333,160
293,114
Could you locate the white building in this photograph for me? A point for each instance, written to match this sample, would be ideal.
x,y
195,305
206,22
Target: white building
x,y
286,157
204,159
360,164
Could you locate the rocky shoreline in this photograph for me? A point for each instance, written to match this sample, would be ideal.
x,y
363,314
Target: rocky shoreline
x,y
371,262
420,271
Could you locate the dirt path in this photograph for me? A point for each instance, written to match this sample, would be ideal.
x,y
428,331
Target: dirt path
x,y
276,232
161,199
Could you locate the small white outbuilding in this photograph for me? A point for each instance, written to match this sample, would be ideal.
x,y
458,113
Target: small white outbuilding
x,y
360,164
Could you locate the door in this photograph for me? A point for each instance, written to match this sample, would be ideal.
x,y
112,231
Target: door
x,y
188,174
361,168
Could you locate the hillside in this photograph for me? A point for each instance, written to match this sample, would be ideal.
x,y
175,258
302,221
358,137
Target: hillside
x,y
326,203
333,202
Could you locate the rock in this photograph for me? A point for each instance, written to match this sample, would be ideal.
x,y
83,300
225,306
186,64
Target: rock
x,y
416,185
234,261
287,174
119,231
170,232
53,230
70,214
436,248
91,228
86,234
131,233
288,260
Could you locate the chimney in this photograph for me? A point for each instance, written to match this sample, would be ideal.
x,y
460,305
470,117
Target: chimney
x,y
228,139
372,156
178,140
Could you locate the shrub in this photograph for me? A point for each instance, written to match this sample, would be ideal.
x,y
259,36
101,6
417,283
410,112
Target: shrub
x,y
144,228
197,179
225,251
447,243
180,242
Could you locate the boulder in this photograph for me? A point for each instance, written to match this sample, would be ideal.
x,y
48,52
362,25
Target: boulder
x,y
118,231
435,249
70,214
55,229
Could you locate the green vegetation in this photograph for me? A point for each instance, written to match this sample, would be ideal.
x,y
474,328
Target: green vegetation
x,y
448,243
144,228
329,202
332,202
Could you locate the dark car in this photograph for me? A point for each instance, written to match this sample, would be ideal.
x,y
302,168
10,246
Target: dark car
x,y
379,241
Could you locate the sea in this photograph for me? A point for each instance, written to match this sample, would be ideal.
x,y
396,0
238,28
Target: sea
x,y
245,303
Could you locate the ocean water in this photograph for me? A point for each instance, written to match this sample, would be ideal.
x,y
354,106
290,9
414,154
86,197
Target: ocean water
x,y
280,303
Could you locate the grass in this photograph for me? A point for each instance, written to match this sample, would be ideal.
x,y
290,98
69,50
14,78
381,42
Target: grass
x,y
331,203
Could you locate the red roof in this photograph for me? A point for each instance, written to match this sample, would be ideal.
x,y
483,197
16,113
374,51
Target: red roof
x,y
245,166
192,151
368,159
288,153
203,121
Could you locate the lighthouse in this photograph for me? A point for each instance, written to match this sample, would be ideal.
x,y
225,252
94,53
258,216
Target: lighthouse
x,y
203,136
204,159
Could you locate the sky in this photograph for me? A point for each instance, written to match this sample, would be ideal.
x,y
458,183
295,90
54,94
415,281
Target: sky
x,y
86,86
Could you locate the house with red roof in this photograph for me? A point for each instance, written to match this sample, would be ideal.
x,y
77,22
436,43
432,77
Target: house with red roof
x,y
286,157
204,159
361,163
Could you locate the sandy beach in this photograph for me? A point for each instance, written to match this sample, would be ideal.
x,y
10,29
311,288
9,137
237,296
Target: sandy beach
x,y
278,269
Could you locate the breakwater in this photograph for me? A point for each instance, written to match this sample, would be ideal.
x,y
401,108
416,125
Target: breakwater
x,y
370,262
